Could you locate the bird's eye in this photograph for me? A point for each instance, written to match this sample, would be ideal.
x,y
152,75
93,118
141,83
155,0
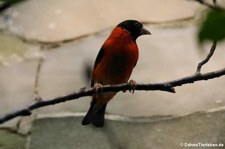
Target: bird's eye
x,y
138,25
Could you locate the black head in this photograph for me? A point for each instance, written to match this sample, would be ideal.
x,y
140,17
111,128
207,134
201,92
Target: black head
x,y
135,28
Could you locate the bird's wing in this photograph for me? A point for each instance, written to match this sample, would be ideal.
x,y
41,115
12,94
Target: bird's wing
x,y
99,57
97,61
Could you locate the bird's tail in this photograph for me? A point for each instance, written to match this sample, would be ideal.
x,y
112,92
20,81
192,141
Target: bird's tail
x,y
95,115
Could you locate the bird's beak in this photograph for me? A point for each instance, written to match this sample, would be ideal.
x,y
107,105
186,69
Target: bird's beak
x,y
145,31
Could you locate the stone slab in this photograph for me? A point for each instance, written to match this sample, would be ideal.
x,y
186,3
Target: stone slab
x,y
144,133
12,49
10,140
16,87
56,20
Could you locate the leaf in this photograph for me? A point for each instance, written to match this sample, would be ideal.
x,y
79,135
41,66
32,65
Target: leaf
x,y
213,27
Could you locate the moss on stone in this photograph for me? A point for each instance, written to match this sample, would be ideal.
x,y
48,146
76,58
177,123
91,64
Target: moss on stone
x,y
11,140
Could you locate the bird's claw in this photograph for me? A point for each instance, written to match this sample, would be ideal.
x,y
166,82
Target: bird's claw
x,y
133,85
97,87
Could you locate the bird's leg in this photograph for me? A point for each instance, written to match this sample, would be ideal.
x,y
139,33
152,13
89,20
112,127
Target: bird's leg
x,y
97,86
133,85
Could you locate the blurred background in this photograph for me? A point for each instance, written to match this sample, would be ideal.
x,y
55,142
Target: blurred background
x,y
48,47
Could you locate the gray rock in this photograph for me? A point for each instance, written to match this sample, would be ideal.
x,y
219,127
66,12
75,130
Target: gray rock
x,y
10,140
171,133
56,20
16,87
12,49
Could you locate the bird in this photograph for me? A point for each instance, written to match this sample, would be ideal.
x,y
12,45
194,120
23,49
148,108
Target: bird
x,y
113,65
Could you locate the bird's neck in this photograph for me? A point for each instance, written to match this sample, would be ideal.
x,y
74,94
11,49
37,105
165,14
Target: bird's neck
x,y
121,34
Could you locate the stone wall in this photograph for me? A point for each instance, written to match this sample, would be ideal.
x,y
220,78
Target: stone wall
x,y
48,45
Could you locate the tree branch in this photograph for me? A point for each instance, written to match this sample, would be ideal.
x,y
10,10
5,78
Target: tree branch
x,y
82,93
166,86
211,52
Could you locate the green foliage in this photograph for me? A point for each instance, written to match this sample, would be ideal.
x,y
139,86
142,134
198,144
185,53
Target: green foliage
x,y
8,0
5,4
213,27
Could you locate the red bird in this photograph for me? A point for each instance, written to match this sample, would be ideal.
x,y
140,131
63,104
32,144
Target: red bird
x,y
113,65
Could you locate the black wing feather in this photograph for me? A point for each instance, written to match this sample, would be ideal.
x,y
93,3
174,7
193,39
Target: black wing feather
x,y
99,57
97,60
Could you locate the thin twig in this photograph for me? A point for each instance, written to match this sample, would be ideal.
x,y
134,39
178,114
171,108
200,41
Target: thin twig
x,y
213,7
211,52
215,2
37,76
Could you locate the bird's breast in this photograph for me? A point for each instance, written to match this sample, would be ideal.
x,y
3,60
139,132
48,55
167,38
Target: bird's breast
x,y
120,64
117,65
118,60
